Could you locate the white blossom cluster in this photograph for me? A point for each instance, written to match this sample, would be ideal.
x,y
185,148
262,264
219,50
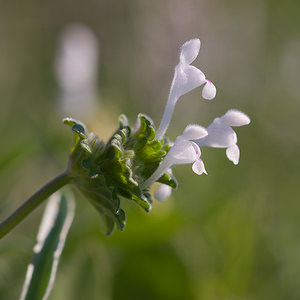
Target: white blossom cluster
x,y
186,148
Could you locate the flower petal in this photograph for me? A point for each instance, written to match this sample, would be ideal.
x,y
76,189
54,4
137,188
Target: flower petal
x,y
219,135
235,118
186,79
189,51
198,167
182,152
209,90
163,192
233,154
193,132
197,149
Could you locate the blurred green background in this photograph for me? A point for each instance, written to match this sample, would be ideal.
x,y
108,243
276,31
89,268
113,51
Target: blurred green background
x,y
234,234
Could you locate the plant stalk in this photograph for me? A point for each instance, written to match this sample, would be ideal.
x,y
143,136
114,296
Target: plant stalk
x,y
36,199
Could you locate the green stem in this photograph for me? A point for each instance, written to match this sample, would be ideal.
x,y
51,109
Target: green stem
x,y
27,207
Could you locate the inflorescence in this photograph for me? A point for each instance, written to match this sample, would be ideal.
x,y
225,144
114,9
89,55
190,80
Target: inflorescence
x,y
137,156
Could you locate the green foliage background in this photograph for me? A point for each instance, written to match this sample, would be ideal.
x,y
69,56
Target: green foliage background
x,y
234,234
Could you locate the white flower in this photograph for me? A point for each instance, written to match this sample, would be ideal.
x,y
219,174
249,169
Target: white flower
x,y
76,71
183,151
186,78
221,134
163,192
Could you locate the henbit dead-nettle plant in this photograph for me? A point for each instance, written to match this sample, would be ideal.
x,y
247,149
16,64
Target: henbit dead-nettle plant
x,y
136,157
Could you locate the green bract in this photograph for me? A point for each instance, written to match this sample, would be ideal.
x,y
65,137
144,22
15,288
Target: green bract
x,y
104,173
